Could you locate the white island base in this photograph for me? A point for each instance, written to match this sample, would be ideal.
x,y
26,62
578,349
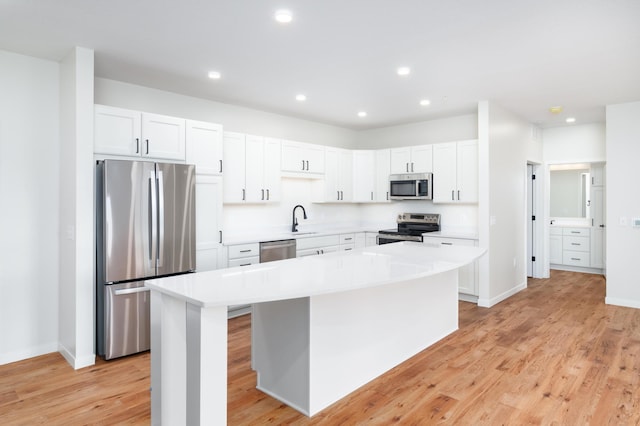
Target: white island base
x,y
315,340
313,351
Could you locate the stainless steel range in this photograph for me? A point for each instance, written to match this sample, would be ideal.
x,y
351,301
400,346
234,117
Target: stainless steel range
x,y
411,226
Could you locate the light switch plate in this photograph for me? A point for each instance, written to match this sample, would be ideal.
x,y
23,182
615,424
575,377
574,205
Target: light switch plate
x,y
635,222
623,221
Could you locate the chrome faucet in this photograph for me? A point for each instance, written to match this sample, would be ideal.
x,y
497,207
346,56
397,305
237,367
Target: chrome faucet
x,y
294,221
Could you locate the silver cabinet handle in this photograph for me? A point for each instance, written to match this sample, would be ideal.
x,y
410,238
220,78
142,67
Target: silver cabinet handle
x,y
575,258
244,194
452,196
302,164
446,244
458,195
147,146
245,251
268,195
412,167
338,195
348,239
220,232
407,167
134,290
307,165
371,195
576,244
220,166
245,264
387,195
262,194
137,145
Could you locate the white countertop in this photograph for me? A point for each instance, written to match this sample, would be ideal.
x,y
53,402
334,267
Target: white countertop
x,y
315,275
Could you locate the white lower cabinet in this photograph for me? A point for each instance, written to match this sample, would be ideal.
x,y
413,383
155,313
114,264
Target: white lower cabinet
x,y
467,275
313,246
209,250
371,239
570,246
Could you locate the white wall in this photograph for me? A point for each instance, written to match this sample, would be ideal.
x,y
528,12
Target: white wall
x,y
505,147
574,144
76,293
459,128
233,118
623,203
29,170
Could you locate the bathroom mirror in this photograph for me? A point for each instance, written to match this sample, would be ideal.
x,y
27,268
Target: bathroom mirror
x,y
570,190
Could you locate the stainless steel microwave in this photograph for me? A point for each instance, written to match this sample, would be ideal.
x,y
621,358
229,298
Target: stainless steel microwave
x,y
411,186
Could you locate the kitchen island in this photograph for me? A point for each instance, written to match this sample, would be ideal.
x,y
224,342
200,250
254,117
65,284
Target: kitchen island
x,y
322,326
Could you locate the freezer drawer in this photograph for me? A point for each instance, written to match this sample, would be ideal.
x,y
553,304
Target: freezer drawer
x,y
127,319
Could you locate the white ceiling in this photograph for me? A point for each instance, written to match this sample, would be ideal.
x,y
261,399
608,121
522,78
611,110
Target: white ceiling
x,y
526,55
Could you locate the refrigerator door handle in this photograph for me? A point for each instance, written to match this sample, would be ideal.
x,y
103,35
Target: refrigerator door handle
x,y
131,291
160,218
153,215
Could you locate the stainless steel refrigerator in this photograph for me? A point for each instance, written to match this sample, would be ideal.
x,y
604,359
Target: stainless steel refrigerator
x,y
145,228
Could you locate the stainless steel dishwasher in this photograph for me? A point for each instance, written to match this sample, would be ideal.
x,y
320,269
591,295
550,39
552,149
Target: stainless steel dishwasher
x,y
277,250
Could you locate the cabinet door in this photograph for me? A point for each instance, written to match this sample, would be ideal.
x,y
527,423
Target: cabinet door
x,y
422,159
467,171
314,155
208,222
467,280
163,137
444,172
597,248
331,172
555,249
383,170
254,169
204,147
292,157
401,160
597,174
116,131
234,167
272,174
598,227
345,175
364,176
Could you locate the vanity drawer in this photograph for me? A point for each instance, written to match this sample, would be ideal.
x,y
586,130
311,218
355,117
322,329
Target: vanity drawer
x,y
575,258
575,243
576,232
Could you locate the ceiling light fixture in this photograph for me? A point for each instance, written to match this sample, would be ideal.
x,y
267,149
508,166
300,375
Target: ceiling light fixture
x,y
425,102
283,16
362,114
570,120
555,109
214,75
404,71
301,97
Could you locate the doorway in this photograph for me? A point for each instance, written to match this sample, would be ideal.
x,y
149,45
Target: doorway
x,y
534,222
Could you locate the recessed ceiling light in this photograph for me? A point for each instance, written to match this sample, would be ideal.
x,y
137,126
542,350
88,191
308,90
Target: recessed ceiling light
x,y
425,102
570,120
555,109
362,114
404,71
283,16
215,75
300,97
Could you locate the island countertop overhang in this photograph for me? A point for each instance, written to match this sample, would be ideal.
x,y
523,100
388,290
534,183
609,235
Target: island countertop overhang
x,y
315,275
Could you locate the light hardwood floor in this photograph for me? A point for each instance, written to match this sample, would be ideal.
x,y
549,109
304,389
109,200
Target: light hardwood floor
x,y
552,354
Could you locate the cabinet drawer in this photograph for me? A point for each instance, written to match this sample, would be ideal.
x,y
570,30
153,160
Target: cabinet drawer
x,y
314,242
575,258
244,250
575,243
347,247
437,241
244,261
347,238
576,232
554,230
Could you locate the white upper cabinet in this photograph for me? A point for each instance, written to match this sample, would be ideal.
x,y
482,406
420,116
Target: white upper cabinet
x,y
302,159
337,185
412,159
455,172
204,147
371,171
251,168
120,131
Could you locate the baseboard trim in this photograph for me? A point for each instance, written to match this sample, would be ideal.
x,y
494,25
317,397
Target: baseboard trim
x,y
76,363
622,302
31,352
597,271
487,303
